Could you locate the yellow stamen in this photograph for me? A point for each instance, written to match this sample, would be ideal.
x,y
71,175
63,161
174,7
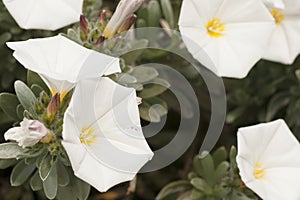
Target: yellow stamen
x,y
259,172
62,94
87,137
278,16
215,28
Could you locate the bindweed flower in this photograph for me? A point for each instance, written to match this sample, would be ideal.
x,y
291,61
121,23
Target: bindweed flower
x,y
124,11
282,46
28,134
268,160
61,62
274,3
127,24
44,14
102,134
226,36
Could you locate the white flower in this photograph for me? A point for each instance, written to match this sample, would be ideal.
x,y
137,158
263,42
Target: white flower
x,y
28,134
283,46
269,160
102,134
61,62
124,10
226,36
44,14
274,3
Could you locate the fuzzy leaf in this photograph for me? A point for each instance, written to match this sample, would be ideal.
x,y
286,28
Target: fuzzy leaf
x,y
144,73
25,95
173,188
10,150
34,79
21,173
45,166
219,155
82,189
157,87
5,163
201,185
168,12
36,182
9,103
50,184
63,176
221,170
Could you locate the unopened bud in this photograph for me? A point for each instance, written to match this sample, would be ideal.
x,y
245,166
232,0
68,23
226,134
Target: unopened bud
x,y
127,24
124,10
53,106
102,16
84,26
100,40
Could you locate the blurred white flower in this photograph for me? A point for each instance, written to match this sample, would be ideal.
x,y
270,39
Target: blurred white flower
x,y
28,134
44,14
124,10
226,36
268,160
274,3
283,46
102,134
61,62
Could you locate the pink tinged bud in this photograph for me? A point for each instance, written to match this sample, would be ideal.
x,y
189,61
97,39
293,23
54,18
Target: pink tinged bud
x,y
127,24
139,100
124,10
84,26
102,17
28,134
100,40
53,106
165,25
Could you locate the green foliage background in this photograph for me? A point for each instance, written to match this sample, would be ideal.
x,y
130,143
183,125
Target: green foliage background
x,y
270,91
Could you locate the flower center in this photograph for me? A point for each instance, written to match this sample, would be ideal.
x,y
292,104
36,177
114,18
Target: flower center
x,y
215,28
62,95
259,172
278,16
87,137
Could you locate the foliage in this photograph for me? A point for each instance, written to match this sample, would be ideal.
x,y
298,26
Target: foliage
x,y
214,176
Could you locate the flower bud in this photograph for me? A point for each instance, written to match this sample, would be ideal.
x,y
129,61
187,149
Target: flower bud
x,y
124,10
127,24
102,16
84,26
28,134
53,106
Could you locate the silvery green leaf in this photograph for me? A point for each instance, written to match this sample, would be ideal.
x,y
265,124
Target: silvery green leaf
x,y
63,176
221,170
126,79
201,185
157,87
66,193
173,188
21,173
50,184
9,103
25,95
167,11
148,114
10,150
45,166
82,188
36,182
219,155
34,79
5,163
154,13
144,73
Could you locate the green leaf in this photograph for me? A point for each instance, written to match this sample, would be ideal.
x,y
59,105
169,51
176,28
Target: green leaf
x,y
148,113
157,87
208,167
154,13
173,188
36,182
5,37
25,95
197,165
9,103
219,155
50,184
196,195
63,176
82,189
36,89
144,73
201,185
34,79
10,150
167,11
221,170
66,193
45,167
5,163
232,154
21,173
277,102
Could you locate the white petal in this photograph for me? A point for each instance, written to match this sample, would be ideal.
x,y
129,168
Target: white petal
x,y
13,133
274,3
119,148
248,26
62,62
44,14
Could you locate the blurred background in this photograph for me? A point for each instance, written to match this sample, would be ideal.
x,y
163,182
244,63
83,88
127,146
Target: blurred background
x,y
269,92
